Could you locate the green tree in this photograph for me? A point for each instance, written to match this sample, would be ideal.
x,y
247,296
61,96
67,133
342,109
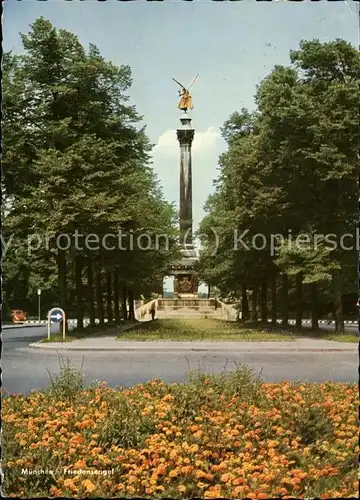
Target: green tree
x,y
77,162
290,168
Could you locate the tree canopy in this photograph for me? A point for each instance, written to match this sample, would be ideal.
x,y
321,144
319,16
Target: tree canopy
x,y
290,169
77,161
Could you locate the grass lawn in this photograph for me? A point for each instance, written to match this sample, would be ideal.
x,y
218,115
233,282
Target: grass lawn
x,y
338,337
201,329
215,436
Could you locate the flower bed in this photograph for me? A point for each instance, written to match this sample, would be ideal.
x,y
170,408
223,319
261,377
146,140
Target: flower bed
x,y
215,436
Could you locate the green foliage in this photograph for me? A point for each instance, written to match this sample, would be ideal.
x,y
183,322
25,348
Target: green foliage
x,y
76,159
313,424
67,383
291,165
126,427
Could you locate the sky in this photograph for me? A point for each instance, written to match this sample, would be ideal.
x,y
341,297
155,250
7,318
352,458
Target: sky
x,y
232,45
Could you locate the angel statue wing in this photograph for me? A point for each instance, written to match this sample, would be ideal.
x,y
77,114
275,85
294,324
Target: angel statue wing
x,y
193,81
181,85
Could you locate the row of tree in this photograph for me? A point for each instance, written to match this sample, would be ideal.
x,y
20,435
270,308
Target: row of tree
x,y
290,168
76,161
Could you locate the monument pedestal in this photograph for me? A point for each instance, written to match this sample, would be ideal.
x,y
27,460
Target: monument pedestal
x,y
185,279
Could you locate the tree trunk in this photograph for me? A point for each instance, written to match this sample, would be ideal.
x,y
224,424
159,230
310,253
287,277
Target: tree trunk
x,y
62,283
314,307
131,306
79,264
109,297
254,300
339,320
274,299
90,291
116,296
209,292
263,302
299,278
285,299
99,297
123,303
244,303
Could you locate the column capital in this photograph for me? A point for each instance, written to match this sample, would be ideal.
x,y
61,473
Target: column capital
x,y
185,136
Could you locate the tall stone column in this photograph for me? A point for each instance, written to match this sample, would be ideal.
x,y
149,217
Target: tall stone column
x,y
185,136
186,284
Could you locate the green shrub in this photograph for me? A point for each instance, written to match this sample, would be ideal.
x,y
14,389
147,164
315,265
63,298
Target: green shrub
x,y
68,382
313,424
126,426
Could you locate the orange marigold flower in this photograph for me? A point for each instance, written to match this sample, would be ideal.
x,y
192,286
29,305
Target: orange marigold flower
x,y
80,464
239,481
211,493
95,451
69,483
199,474
221,466
187,469
90,486
239,490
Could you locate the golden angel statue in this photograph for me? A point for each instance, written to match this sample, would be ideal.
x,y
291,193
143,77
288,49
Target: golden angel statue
x,y
185,102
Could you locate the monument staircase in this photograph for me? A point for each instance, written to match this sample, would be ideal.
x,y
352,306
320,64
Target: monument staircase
x,y
186,308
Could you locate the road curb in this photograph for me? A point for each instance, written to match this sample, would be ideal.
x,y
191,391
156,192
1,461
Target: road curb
x,y
277,349
12,327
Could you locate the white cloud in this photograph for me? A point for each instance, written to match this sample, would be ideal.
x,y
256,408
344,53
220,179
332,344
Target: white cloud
x,y
205,141
168,146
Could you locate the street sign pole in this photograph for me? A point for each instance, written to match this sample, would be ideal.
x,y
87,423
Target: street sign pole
x,y
64,325
57,315
39,304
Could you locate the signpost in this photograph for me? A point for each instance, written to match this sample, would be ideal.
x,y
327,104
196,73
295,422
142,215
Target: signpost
x,y
39,304
56,315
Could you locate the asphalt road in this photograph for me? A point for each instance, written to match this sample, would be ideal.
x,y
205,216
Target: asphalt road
x,y
25,369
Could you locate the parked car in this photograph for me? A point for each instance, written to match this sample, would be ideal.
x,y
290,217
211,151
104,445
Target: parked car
x,y
18,316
